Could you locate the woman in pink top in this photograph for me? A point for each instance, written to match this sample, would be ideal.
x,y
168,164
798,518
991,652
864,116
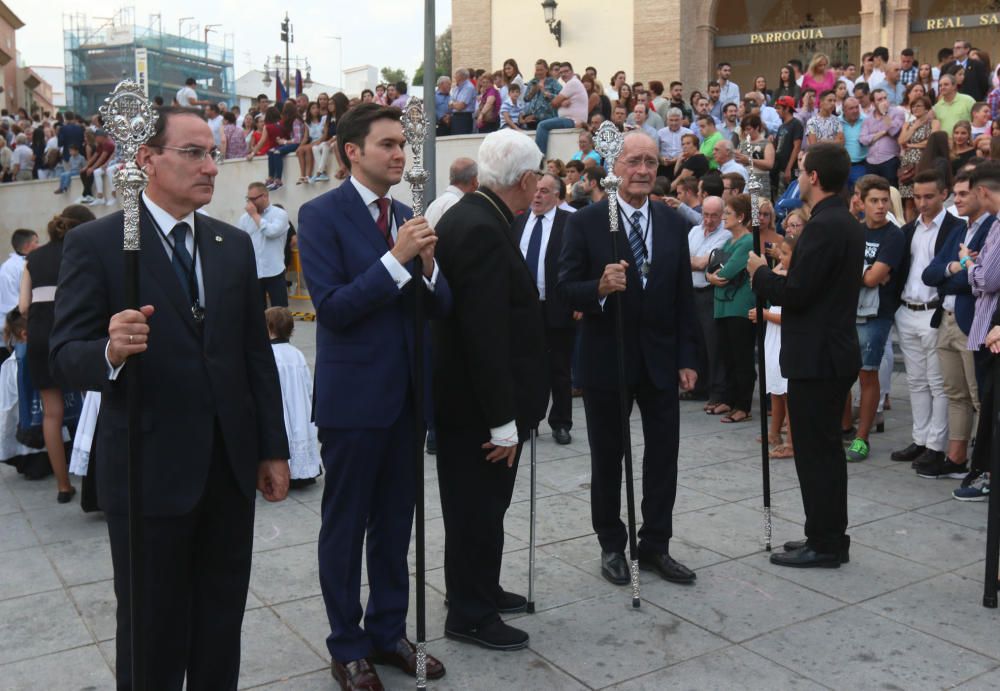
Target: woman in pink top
x,y
819,76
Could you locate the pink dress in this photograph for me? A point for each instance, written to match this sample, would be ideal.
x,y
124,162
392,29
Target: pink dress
x,y
827,83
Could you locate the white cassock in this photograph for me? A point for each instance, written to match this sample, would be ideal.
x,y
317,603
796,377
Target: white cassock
x,y
296,399
79,460
10,447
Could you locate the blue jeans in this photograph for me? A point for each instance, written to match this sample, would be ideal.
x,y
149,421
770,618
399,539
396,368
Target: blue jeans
x,y
872,337
542,133
888,170
64,181
857,170
276,160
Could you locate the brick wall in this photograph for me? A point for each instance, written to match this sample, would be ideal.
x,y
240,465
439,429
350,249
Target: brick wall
x,y
472,34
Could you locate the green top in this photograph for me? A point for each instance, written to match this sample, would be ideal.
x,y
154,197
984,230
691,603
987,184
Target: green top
x,y
735,299
950,113
708,146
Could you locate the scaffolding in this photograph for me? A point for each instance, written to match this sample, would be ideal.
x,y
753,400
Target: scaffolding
x,y
101,53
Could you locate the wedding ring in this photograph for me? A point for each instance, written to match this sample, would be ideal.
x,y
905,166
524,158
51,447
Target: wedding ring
x,y
130,339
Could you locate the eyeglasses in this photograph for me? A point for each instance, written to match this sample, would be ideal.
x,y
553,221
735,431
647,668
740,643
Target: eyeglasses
x,y
253,199
641,162
196,153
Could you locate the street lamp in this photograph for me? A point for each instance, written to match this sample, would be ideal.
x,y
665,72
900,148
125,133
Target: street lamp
x,y
340,43
555,25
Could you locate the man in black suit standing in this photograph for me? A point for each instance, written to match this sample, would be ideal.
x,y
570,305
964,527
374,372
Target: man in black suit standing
x,y
977,79
540,245
212,422
819,350
490,385
660,352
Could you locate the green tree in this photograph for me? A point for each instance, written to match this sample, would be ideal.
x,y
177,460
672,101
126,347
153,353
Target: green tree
x,y
391,75
442,58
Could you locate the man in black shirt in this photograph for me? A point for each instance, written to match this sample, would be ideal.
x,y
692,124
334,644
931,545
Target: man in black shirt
x,y
789,141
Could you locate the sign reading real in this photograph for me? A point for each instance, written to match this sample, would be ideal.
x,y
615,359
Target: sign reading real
x,y
965,21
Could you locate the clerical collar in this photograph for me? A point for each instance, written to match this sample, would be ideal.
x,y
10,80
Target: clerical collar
x,y
497,203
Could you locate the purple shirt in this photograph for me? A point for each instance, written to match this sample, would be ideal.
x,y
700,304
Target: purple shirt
x,y
984,277
886,147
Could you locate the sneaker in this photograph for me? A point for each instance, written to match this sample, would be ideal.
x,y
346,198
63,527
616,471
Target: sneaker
x,y
111,201
322,177
975,487
943,468
858,451
87,199
271,187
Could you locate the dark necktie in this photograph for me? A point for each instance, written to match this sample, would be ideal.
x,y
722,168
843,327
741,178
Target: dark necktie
x,y
182,262
383,220
636,241
534,248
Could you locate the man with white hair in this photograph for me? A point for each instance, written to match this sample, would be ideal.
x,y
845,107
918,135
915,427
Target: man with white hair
x,y
659,350
723,154
669,139
462,179
463,103
490,385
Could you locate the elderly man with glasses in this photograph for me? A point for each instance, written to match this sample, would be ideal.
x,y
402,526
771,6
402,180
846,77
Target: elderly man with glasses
x,y
267,225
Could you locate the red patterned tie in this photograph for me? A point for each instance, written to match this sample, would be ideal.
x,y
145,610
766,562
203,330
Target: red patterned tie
x,y
383,220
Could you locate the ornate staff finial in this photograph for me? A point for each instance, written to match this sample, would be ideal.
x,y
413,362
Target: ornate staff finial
x,y
415,130
608,142
753,187
130,121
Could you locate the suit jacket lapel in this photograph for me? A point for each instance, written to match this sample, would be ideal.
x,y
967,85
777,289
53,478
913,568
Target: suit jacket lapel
x,y
156,263
356,210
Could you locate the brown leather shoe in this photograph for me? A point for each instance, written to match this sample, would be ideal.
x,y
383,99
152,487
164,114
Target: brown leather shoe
x,y
404,656
356,675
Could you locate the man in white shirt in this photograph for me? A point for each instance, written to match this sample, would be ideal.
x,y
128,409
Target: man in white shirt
x,y
729,92
187,97
917,338
702,239
463,178
215,122
723,154
572,107
23,241
267,227
670,138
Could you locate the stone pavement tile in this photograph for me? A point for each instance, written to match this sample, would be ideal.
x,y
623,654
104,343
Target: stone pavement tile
x,y
604,640
937,543
870,573
986,682
562,476
732,480
562,517
975,571
65,522
97,605
8,502
714,447
547,450
737,601
26,572
732,668
314,681
290,573
38,625
282,525
585,553
80,668
967,513
38,494
731,529
856,649
82,561
949,607
16,533
906,492
271,651
787,504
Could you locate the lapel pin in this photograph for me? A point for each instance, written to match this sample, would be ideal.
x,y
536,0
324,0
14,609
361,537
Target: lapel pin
x,y
218,238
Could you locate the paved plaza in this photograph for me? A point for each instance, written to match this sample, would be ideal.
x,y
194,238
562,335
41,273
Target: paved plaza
x,y
904,614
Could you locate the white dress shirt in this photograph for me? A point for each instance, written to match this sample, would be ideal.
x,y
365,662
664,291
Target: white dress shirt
x,y
397,271
448,199
627,210
548,218
10,281
949,300
732,166
701,245
268,238
670,141
215,124
921,253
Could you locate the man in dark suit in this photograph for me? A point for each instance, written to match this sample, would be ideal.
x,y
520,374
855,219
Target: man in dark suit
x,y
953,319
540,246
977,79
660,351
926,237
358,247
820,356
490,385
212,423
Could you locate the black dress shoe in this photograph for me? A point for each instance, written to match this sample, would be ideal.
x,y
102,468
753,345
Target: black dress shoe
x,y
403,656
357,675
511,603
806,558
561,435
432,444
495,636
669,568
909,454
66,497
793,545
614,568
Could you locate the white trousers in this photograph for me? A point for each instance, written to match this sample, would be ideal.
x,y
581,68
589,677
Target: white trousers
x,y
928,402
319,153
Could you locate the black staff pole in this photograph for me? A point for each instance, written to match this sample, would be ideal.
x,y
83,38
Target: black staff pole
x,y
993,513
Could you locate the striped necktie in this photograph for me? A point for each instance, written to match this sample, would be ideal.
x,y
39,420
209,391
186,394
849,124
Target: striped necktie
x,y
636,241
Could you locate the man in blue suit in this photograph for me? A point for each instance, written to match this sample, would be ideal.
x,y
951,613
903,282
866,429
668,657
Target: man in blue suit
x,y
660,355
358,247
954,317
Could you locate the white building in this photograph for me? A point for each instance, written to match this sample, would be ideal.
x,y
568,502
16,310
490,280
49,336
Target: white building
x,y
357,79
251,84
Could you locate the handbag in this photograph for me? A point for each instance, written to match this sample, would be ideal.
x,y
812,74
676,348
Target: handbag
x,y
907,173
716,260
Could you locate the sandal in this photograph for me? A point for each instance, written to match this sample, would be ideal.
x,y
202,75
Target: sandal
x,y
301,180
783,451
773,439
719,409
709,405
732,419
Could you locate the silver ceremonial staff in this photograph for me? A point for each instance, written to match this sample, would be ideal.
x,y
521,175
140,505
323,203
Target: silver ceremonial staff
x,y
753,186
415,130
130,121
608,143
